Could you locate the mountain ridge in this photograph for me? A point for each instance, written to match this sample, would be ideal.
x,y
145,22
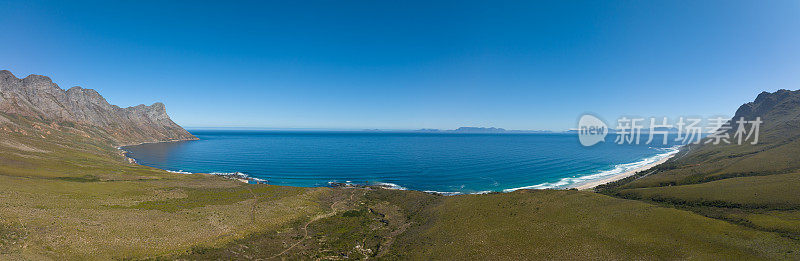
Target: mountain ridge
x,y
37,96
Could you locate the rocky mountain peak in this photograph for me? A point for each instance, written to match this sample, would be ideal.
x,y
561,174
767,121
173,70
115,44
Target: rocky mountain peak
x,y
779,112
767,103
37,78
6,74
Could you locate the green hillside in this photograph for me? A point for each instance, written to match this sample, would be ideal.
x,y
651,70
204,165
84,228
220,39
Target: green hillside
x,y
547,224
751,185
65,193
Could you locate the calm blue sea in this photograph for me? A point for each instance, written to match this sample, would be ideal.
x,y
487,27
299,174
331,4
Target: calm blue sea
x,y
441,162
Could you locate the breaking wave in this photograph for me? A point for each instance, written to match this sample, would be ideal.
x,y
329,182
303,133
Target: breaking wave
x,y
618,169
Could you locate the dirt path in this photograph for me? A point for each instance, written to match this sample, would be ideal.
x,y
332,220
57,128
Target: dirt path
x,y
314,219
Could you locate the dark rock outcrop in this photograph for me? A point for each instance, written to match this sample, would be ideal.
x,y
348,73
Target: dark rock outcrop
x,y
38,97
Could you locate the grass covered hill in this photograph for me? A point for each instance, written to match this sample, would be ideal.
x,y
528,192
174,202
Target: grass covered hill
x,y
751,185
67,195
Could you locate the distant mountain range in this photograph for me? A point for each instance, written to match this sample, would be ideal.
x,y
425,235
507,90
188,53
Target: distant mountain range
x,y
38,97
481,130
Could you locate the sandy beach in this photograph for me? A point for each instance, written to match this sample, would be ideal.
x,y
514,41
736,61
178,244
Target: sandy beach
x,y
594,183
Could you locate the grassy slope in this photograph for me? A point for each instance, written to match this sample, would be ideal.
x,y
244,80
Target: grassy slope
x,y
578,225
751,185
520,225
72,197
66,194
757,192
709,163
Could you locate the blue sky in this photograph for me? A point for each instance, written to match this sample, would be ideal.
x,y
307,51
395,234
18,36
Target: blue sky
x,y
410,64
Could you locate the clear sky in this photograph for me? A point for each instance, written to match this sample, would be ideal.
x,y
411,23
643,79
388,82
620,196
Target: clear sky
x,y
409,64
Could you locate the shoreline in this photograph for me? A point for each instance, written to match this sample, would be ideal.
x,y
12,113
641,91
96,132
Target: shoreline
x,y
130,160
153,142
620,171
237,176
588,185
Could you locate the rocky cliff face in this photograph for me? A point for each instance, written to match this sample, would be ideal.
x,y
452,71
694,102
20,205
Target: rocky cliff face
x,y
38,97
779,111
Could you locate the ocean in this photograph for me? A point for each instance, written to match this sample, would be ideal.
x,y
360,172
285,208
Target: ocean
x,y
447,163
